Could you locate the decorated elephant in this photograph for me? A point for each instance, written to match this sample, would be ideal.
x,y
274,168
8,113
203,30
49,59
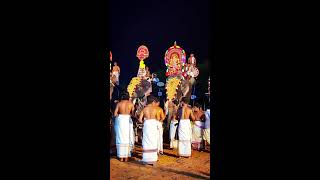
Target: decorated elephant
x,y
180,75
140,87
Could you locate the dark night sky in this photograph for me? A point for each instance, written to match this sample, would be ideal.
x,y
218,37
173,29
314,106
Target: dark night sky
x,y
157,25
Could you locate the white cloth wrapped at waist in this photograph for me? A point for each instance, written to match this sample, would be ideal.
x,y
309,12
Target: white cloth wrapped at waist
x,y
197,133
122,132
150,141
160,137
185,136
173,128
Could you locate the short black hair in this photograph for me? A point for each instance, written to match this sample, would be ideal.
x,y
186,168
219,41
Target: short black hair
x,y
125,96
198,105
185,100
156,99
150,99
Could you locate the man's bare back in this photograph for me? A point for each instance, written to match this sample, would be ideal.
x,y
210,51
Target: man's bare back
x,y
187,113
124,107
160,114
149,112
116,69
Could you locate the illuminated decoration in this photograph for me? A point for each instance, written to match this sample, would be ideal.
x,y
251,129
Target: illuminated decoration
x,y
175,59
172,86
133,85
141,64
142,53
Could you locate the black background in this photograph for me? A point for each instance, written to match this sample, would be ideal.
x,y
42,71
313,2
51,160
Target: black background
x,y
56,86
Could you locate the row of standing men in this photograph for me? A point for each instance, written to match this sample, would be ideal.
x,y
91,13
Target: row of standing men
x,y
152,117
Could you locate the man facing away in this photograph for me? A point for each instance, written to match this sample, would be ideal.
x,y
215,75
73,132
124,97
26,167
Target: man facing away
x,y
173,122
150,131
122,127
160,117
116,72
184,129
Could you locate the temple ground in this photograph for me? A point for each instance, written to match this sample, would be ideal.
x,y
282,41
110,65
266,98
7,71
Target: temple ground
x,y
169,166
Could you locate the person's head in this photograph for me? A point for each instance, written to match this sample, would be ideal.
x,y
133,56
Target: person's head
x,y
184,101
115,63
197,107
150,99
156,101
125,96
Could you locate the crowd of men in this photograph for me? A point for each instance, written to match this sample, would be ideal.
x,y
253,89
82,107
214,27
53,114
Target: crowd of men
x,y
189,127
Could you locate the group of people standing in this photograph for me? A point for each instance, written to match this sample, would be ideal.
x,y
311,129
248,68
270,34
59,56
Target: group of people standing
x,y
191,125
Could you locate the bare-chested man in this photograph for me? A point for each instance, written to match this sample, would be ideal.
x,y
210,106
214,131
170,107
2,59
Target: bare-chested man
x,y
124,128
160,117
198,126
173,122
116,72
184,128
150,131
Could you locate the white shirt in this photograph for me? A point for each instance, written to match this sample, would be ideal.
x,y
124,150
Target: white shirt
x,y
207,122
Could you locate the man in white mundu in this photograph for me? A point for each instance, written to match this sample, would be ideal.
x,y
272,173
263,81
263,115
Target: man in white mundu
x,y
160,117
123,129
172,119
184,129
150,131
116,72
198,126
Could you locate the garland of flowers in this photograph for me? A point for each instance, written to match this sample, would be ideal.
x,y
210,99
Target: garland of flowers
x,y
172,87
133,85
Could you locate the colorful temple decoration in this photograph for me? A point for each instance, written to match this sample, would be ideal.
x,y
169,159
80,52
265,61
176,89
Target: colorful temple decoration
x,y
133,85
175,59
142,54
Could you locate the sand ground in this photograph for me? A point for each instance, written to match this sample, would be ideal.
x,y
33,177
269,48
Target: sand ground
x,y
169,166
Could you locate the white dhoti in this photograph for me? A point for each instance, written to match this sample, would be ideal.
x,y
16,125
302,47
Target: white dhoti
x,y
160,137
116,74
122,133
132,136
150,141
197,134
173,129
206,135
185,134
